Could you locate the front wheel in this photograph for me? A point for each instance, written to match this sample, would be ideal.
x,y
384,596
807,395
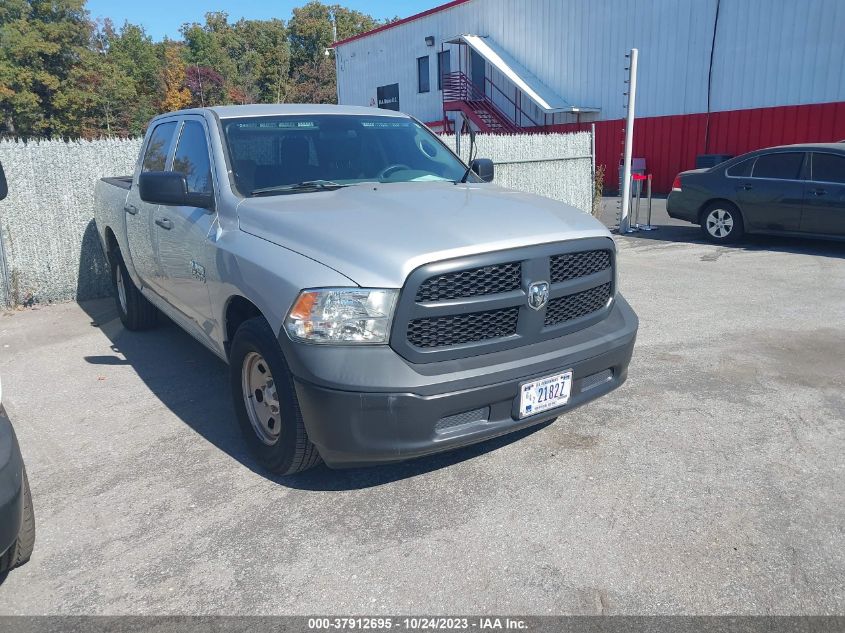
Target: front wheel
x,y
722,223
265,401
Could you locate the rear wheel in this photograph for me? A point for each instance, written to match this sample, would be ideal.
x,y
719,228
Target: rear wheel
x,y
136,312
265,401
21,550
721,222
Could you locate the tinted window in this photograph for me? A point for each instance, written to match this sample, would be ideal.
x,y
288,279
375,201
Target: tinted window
x,y
444,67
829,168
422,71
156,155
741,170
786,165
277,151
191,158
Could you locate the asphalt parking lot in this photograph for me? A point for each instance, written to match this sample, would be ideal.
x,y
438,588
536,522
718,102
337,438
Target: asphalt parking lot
x,y
713,482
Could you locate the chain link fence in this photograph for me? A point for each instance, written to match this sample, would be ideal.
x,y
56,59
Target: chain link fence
x,y
49,250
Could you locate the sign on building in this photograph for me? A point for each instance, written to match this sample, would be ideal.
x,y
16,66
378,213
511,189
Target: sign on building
x,y
388,97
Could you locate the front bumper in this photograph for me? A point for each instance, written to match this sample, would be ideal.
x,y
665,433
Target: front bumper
x,y
369,405
11,484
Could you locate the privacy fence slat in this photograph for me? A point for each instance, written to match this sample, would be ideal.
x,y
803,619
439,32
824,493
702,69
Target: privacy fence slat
x,y
48,244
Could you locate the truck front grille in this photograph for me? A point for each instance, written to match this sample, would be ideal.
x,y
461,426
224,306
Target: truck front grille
x,y
479,304
573,265
462,328
575,306
471,283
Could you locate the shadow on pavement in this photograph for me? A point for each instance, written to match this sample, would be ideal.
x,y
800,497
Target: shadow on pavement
x,y
193,383
692,235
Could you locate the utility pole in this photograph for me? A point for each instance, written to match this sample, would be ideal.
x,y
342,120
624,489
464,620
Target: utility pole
x,y
199,79
624,220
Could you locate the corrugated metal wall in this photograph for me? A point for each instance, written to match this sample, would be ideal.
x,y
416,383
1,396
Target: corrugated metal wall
x,y
768,52
771,59
670,144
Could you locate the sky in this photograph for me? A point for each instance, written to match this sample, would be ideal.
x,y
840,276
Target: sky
x,y
164,17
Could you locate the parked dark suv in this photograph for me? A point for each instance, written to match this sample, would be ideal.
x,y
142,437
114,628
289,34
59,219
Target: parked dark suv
x,y
787,190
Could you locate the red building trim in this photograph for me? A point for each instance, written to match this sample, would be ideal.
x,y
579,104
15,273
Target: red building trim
x,y
670,143
416,16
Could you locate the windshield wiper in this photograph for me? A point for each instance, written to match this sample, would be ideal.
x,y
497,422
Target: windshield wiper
x,y
300,187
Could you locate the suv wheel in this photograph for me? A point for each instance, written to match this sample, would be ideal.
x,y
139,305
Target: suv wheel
x,y
265,401
721,222
136,312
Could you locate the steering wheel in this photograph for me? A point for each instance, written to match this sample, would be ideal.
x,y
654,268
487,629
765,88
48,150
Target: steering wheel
x,y
384,173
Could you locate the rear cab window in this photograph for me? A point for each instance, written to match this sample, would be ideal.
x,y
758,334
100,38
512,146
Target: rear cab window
x,y
779,166
158,149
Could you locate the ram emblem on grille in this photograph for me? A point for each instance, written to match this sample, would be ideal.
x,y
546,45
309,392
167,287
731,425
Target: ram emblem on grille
x,y
538,294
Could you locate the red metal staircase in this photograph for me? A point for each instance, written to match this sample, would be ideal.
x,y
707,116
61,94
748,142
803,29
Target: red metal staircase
x,y
461,94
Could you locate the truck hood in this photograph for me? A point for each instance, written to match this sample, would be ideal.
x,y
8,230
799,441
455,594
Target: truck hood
x,y
376,234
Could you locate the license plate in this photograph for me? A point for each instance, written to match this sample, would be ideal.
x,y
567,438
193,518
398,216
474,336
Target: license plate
x,y
544,394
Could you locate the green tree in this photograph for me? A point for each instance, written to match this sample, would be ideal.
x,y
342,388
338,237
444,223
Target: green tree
x,y
133,52
41,43
313,74
251,56
262,49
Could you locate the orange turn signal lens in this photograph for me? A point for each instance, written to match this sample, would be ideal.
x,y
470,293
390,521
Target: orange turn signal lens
x,y
304,305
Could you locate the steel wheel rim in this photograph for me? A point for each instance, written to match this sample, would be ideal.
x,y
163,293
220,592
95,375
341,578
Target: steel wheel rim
x,y
261,398
719,223
121,289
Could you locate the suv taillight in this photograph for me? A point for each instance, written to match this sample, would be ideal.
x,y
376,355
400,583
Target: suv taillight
x,y
676,184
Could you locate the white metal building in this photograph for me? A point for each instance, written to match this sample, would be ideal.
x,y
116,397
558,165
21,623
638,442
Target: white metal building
x,y
715,76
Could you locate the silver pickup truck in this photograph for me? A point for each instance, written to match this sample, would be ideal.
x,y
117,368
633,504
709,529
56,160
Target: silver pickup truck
x,y
375,298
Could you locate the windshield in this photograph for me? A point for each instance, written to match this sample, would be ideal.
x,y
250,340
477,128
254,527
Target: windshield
x,y
276,152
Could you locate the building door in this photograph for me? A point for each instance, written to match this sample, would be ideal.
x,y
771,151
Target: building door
x,y
478,70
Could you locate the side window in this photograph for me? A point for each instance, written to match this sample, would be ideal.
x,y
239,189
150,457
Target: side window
x,y
783,165
158,149
829,168
742,169
191,158
423,83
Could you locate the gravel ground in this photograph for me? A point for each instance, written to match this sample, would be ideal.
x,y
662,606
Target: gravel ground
x,y
711,483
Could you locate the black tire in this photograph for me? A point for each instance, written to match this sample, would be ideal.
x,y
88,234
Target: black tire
x,y
291,451
21,550
137,313
721,222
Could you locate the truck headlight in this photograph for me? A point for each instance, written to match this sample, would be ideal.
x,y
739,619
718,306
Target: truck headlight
x,y
342,315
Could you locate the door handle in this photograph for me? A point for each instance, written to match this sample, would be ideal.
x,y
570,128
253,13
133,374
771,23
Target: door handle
x,y
819,192
165,223
746,187
131,209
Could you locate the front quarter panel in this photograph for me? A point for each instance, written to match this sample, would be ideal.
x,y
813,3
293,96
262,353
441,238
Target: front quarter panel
x,y
266,274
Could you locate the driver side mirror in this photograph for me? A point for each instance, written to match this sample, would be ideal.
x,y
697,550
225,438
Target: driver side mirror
x,y
4,188
483,167
171,188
